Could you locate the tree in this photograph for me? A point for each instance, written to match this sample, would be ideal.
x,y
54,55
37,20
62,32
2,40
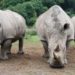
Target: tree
x,y
48,3
38,6
7,3
27,10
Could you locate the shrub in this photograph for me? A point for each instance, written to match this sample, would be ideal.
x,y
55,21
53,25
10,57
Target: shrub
x,y
38,6
27,10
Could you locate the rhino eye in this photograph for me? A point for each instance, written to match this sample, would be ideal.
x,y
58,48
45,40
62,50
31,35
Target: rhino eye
x,y
66,26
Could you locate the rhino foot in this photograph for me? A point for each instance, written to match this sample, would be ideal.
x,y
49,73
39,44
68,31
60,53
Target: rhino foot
x,y
66,61
4,57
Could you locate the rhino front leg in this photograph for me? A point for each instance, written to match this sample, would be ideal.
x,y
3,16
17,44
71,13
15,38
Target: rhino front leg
x,y
4,49
9,51
45,45
20,46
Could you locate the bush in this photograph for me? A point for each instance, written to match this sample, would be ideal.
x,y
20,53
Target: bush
x,y
70,12
27,10
38,6
7,3
48,3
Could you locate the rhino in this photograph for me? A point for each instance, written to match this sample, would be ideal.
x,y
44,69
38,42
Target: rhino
x,y
55,29
12,28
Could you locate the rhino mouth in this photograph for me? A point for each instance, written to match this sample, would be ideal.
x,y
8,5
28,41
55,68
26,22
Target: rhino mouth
x,y
57,63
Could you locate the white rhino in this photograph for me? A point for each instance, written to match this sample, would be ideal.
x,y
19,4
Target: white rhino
x,y
54,28
12,28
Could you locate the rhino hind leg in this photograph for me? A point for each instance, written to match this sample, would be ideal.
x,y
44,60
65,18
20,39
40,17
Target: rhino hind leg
x,y
20,46
4,49
45,45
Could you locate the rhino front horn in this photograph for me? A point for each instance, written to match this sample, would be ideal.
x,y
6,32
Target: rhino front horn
x,y
56,56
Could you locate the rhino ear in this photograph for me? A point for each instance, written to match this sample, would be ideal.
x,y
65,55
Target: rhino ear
x,y
66,26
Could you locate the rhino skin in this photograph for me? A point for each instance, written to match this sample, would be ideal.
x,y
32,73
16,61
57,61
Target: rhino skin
x,y
12,28
54,27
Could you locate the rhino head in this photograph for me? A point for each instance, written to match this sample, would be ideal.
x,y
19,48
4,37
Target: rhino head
x,y
60,30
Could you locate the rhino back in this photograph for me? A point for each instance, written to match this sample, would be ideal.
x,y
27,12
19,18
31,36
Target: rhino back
x,y
11,25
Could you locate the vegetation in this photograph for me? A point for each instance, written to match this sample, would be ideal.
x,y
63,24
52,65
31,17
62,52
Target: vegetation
x,y
31,9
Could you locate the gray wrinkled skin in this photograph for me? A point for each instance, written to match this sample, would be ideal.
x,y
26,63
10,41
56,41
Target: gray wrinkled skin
x,y
12,28
54,28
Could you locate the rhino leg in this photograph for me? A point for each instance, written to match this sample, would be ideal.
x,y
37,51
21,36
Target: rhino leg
x,y
20,46
9,51
4,49
45,45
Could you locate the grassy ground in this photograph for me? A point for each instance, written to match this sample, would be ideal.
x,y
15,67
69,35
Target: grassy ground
x,y
32,39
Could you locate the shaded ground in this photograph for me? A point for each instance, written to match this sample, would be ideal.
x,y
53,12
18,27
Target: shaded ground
x,y
32,62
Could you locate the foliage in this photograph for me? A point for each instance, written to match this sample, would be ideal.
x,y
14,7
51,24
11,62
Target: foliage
x,y
38,6
48,3
27,11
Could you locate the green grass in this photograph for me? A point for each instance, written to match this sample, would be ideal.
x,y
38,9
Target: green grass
x,y
31,36
32,39
72,44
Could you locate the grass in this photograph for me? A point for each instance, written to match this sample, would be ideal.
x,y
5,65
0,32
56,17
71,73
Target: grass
x,y
31,36
72,44
32,39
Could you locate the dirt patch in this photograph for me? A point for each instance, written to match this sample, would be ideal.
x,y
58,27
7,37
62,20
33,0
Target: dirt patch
x,y
32,62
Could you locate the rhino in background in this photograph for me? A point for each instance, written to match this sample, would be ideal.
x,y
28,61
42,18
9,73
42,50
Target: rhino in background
x,y
55,28
12,28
